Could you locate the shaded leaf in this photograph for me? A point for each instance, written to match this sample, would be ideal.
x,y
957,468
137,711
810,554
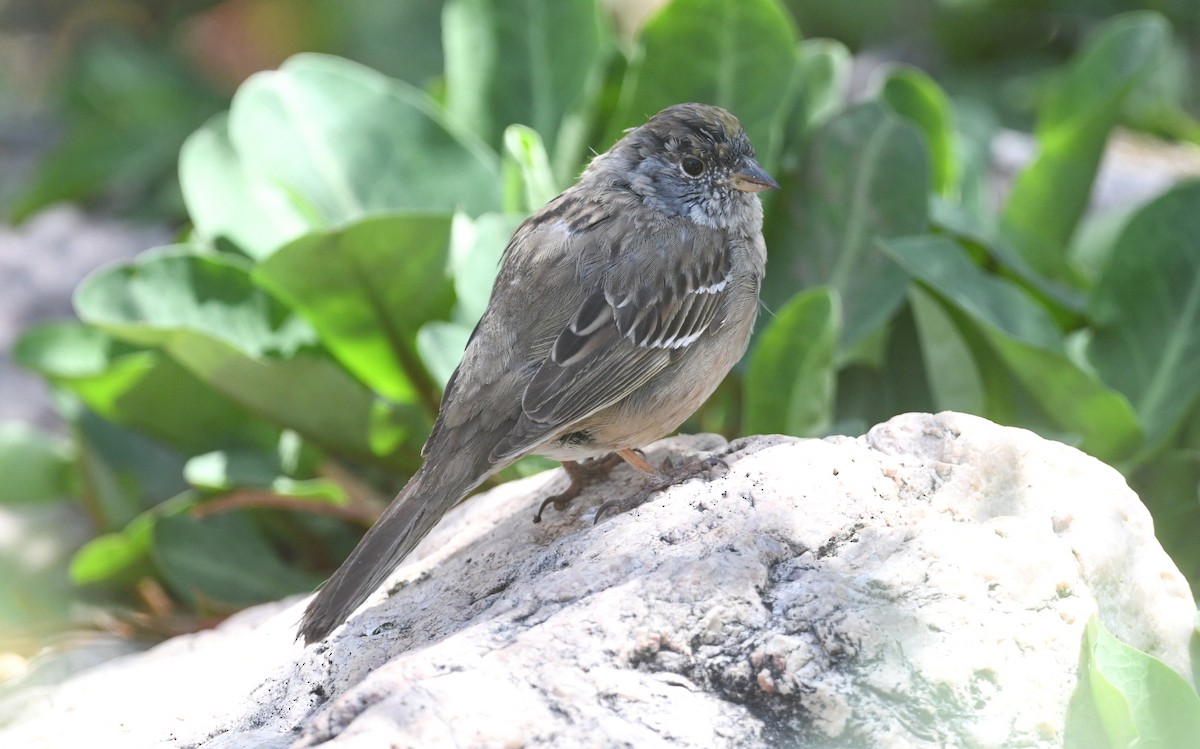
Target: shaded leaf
x,y
139,388
865,175
1169,485
528,179
528,63
914,95
1049,197
122,473
1028,342
222,560
824,66
710,51
789,383
113,555
206,314
1146,308
477,247
367,289
954,377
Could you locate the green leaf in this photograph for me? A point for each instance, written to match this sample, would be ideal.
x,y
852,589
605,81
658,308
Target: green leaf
x,y
122,472
528,179
789,383
914,95
367,289
139,388
1029,343
206,314
1140,700
112,555
34,467
222,561
226,200
323,141
1049,197
528,63
1169,485
1146,308
717,52
954,377
825,66
477,247
865,175
222,470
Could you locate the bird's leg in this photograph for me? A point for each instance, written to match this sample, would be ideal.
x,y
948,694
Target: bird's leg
x,y
581,474
657,479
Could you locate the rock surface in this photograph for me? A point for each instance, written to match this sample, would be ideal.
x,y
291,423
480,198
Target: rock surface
x,y
925,585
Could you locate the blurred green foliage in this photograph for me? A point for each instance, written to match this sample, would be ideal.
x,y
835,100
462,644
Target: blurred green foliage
x,y
243,401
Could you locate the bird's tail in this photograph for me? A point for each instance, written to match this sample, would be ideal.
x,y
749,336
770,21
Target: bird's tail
x,y
428,495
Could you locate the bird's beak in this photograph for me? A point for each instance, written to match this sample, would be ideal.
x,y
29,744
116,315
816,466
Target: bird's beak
x,y
753,178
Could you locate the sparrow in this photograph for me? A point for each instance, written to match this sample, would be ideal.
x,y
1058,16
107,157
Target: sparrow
x,y
618,309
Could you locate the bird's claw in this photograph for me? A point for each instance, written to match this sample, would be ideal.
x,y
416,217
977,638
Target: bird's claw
x,y
669,476
581,474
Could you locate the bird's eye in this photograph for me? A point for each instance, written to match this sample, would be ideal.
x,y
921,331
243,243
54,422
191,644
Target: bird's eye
x,y
693,166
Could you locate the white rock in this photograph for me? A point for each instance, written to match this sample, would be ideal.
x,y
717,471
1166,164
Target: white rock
x,y
926,585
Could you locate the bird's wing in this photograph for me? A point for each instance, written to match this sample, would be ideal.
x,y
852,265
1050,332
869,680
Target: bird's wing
x,y
646,309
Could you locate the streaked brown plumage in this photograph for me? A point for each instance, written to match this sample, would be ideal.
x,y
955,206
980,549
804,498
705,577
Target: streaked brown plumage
x,y
618,309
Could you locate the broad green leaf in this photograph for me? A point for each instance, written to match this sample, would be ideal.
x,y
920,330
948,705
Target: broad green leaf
x,y
865,175
1141,701
477,247
529,63
148,300
111,555
33,466
824,79
789,383
222,561
954,377
1146,308
226,470
139,388
122,473
222,470
1029,343
323,141
226,200
717,52
367,288
975,127
1050,196
1169,485
206,314
973,231
889,380
914,95
528,179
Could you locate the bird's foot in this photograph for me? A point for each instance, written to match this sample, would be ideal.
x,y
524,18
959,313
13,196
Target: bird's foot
x,y
581,474
667,476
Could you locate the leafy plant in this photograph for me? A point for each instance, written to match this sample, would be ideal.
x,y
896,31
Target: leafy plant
x,y
1133,699
284,362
